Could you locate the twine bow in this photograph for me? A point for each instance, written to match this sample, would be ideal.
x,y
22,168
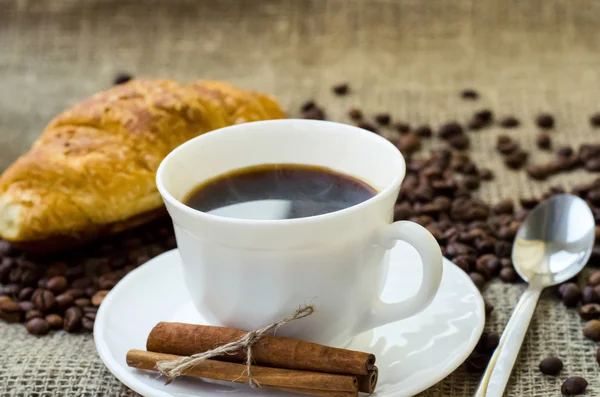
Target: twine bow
x,y
173,369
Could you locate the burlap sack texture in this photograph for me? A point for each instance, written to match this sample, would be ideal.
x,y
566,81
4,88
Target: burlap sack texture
x,y
410,58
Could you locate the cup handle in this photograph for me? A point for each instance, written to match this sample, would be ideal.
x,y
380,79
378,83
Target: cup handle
x,y
431,257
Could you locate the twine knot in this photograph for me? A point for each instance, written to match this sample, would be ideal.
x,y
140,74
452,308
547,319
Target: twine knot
x,y
173,369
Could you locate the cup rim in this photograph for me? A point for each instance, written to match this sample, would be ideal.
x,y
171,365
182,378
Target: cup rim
x,y
168,197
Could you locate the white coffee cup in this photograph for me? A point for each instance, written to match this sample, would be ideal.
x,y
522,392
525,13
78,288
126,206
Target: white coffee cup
x,y
249,273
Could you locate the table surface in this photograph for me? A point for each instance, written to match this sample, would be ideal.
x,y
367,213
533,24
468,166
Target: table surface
x,y
409,58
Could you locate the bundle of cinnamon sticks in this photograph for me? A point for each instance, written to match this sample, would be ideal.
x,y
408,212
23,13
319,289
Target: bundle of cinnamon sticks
x,y
281,363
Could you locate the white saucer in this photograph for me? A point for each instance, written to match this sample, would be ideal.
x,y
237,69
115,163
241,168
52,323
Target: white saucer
x,y
412,354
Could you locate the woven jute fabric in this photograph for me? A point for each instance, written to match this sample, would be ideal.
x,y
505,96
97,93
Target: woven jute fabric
x,y
409,58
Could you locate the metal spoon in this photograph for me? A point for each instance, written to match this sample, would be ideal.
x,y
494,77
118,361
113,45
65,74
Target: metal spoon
x,y
552,245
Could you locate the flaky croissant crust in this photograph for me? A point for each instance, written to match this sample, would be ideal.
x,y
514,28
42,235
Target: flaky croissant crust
x,y
92,170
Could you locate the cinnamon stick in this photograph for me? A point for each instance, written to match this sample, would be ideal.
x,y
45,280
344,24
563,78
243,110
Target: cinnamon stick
x,y
273,351
368,383
304,382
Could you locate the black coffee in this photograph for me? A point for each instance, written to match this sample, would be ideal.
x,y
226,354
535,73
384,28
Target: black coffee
x,y
278,191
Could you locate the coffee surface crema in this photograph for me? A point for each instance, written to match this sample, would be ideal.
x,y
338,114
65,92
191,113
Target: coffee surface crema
x,y
278,191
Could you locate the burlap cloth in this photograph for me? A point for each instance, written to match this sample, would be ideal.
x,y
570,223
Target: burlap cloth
x,y
410,58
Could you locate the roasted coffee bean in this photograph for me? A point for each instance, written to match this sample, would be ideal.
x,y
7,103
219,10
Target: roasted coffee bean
x,y
9,306
476,362
508,275
72,319
99,297
509,122
477,279
424,131
403,128
529,203
365,126
538,172
595,120
545,121
43,299
383,118
459,142
87,324
594,196
516,159
488,308
486,174
589,295
450,129
502,249
106,283
81,302
26,306
594,279
308,105
75,293
57,269
544,141
409,143
65,300
314,113
90,291
590,311
54,321
488,342
591,330
34,313
571,294
90,315
25,293
122,78
505,206
341,89
469,94
506,145
565,151
466,263
489,262
355,114
484,115
475,124
598,355
551,366
37,326
57,284
82,283
573,386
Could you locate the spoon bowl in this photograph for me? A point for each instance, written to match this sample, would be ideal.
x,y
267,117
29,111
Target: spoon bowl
x,y
555,241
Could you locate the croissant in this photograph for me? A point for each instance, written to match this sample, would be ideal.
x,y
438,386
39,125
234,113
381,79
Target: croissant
x,y
92,171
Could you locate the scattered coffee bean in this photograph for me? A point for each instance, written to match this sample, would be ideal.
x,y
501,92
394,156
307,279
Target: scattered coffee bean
x,y
594,279
383,118
33,314
538,171
57,284
409,143
43,299
450,129
509,122
82,302
477,279
573,386
590,311
589,295
486,174
305,107
459,142
593,165
598,355
595,120
341,89
508,275
571,294
516,160
367,126
314,113
72,319
9,306
488,342
63,301
476,362
122,78
486,116
475,124
54,321
87,324
488,308
506,145
355,114
591,330
469,94
26,306
551,366
544,141
99,297
565,151
545,121
403,128
37,326
424,131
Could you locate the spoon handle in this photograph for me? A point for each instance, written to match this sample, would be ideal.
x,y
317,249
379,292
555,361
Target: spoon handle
x,y
495,378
